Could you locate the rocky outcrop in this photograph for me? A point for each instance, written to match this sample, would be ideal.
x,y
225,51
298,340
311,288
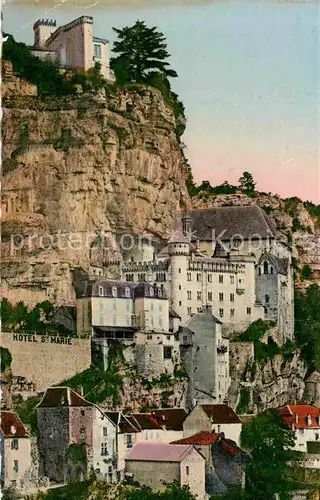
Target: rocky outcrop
x,y
78,168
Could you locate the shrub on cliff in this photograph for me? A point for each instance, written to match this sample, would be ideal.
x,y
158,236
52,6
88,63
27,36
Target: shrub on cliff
x,y
307,324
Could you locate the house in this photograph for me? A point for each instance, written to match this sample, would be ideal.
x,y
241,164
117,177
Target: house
x,y
66,422
152,464
205,357
161,426
304,420
225,461
213,418
72,45
15,447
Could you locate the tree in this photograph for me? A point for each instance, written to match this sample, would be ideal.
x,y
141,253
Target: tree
x,y
247,184
141,50
268,440
306,272
307,324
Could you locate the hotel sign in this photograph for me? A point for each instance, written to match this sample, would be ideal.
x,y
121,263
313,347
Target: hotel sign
x,y
20,337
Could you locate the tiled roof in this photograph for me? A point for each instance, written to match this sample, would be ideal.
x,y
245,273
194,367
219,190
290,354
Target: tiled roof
x,y
11,425
159,452
221,414
230,447
248,221
126,423
280,265
146,421
171,418
62,396
199,438
296,416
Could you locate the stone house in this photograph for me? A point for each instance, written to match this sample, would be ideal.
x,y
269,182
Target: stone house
x,y
205,356
15,448
161,426
151,464
67,425
72,45
225,461
218,418
304,420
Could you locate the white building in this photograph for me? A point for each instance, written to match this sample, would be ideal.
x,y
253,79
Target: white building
x,y
15,448
219,418
72,45
305,421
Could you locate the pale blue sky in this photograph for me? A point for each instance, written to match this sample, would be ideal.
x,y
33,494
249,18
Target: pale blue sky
x,y
248,76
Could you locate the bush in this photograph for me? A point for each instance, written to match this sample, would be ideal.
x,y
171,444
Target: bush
x,y
5,358
306,272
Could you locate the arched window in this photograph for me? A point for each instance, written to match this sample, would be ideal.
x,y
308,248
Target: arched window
x,y
265,267
271,270
259,271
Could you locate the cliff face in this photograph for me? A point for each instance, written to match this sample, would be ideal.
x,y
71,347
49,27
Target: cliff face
x,y
76,167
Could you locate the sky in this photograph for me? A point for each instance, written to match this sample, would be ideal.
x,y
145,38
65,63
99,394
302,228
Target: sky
x,y
248,77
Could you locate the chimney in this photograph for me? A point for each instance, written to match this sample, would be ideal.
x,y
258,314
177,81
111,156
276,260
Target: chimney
x,y
208,309
80,390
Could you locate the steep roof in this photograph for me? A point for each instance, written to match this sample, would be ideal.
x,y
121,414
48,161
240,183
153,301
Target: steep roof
x,y
296,416
126,423
61,397
160,452
248,221
199,438
146,421
173,313
221,414
12,426
205,317
171,418
280,265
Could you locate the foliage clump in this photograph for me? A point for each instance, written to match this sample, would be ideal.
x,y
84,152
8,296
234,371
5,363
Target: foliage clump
x,y
307,325
5,358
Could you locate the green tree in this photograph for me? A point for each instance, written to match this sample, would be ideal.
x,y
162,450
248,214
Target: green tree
x,y
268,440
307,324
5,358
247,184
140,50
306,272
173,491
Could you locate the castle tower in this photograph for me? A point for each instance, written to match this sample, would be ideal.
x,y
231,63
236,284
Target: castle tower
x,y
186,225
179,251
42,29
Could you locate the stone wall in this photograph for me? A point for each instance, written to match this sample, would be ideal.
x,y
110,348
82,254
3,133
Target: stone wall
x,y
44,361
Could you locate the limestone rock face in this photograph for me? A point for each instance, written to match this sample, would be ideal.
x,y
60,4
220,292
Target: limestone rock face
x,y
78,167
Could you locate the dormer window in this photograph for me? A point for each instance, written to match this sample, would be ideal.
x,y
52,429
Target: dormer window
x,y
309,420
151,292
265,267
101,291
13,429
127,292
114,291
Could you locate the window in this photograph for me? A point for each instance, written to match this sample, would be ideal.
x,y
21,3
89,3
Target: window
x,y
82,413
104,449
198,276
210,296
101,291
127,292
97,50
188,276
187,470
271,270
219,428
198,295
15,466
220,278
127,306
209,278
231,297
101,320
114,319
105,431
82,434
160,307
179,270
101,306
265,267
221,313
189,294
267,299
114,305
15,444
151,307
160,323
248,310
179,287
180,303
185,339
114,291
151,292
221,297
189,311
231,312
232,280
167,352
199,309
129,441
